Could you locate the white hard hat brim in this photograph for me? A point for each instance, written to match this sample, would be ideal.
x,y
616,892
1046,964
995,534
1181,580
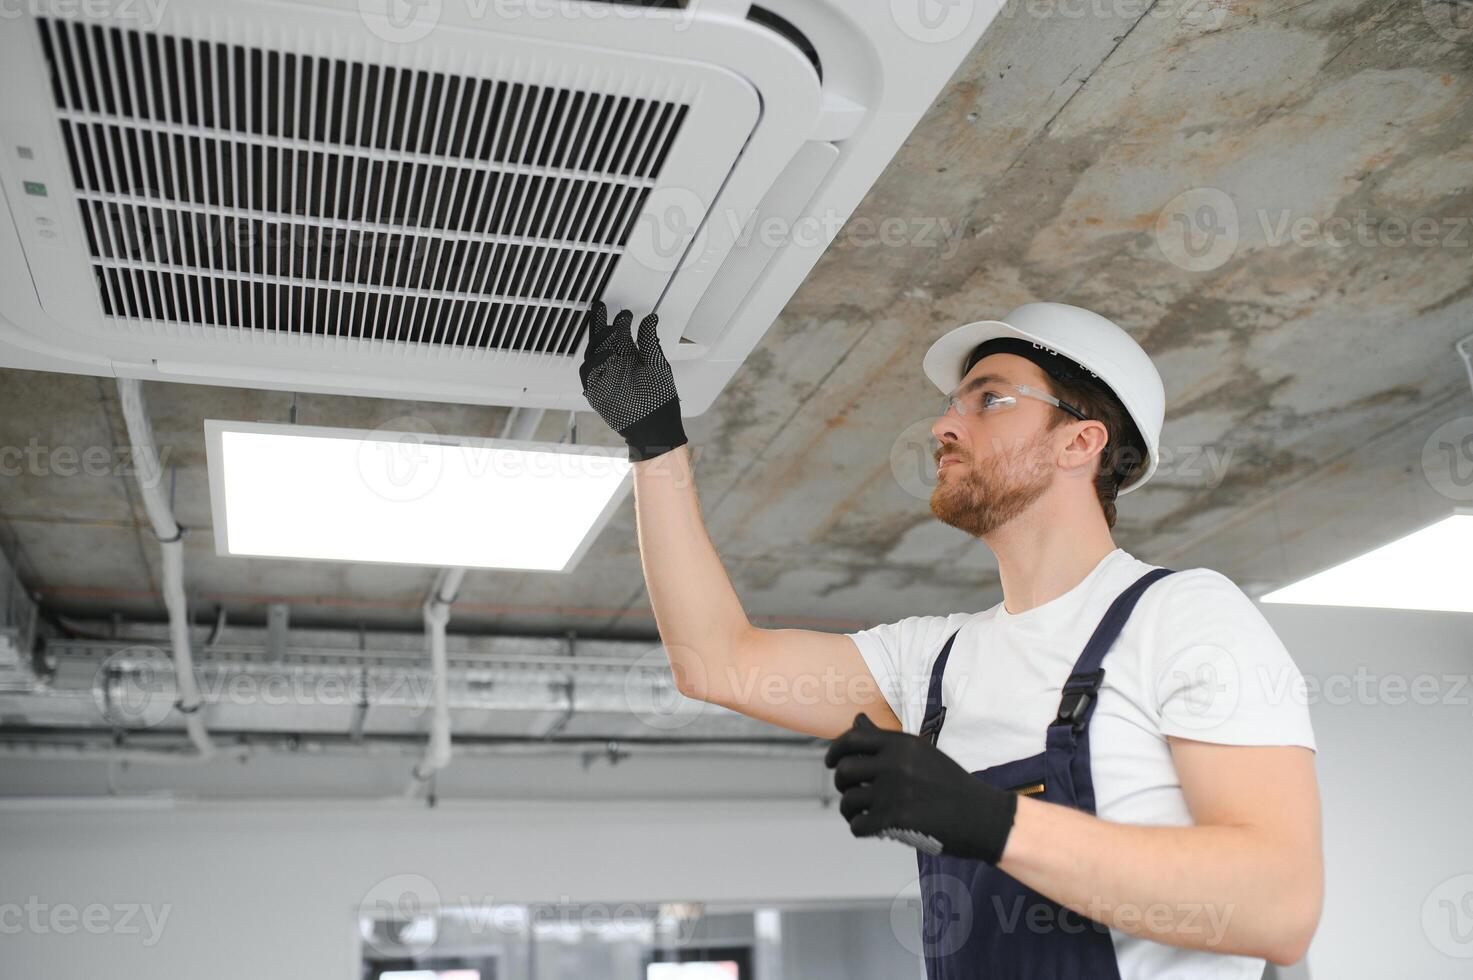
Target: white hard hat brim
x,y
947,357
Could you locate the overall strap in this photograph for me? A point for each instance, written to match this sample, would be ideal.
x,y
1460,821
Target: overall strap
x,y
1077,701
935,710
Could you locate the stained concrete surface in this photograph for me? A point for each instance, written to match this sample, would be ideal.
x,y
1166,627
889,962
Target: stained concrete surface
x,y
1305,376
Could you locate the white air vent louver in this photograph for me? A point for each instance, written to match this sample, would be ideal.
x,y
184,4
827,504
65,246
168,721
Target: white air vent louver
x,y
259,190
324,197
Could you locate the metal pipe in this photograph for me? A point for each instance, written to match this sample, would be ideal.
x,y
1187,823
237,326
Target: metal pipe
x,y
600,613
102,752
148,469
105,753
521,423
437,617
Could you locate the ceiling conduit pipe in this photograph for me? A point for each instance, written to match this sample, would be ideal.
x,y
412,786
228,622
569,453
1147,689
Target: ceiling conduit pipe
x,y
148,469
437,616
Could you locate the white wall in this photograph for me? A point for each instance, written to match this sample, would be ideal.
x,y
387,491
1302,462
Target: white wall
x,y
272,891
252,890
1396,780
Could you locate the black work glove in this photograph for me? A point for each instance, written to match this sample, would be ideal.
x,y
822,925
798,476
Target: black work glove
x,y
900,786
631,388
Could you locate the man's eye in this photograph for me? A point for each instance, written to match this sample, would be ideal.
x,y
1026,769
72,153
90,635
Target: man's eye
x,y
991,399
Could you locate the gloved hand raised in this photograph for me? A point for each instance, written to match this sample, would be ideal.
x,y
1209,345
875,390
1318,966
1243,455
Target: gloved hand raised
x,y
900,786
631,388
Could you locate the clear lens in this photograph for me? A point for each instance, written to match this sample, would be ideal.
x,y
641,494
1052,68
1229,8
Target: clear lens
x,y
990,400
1000,396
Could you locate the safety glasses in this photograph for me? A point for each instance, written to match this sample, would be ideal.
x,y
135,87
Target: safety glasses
x,y
997,397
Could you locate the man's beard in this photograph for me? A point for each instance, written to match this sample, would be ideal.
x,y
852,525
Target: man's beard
x,y
979,500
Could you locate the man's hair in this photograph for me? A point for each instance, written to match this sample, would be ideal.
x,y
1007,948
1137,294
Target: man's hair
x,y
1123,456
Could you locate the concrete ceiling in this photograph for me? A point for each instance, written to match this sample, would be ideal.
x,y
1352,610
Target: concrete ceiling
x,y
1305,378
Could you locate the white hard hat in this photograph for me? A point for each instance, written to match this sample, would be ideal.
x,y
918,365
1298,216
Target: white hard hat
x,y
1086,338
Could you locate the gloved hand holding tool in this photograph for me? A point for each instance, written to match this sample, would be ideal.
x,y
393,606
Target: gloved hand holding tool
x,y
900,786
631,388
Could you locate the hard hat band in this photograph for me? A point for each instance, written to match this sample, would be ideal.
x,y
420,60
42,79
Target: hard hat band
x,y
1051,362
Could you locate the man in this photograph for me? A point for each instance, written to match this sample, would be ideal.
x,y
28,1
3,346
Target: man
x,y
1150,813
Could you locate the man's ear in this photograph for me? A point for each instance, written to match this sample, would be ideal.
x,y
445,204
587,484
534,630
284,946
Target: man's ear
x,y
1085,446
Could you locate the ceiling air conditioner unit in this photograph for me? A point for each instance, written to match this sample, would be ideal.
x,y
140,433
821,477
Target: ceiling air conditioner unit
x,y
420,200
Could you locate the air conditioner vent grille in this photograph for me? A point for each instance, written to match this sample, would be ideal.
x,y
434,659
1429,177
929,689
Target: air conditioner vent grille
x,y
277,193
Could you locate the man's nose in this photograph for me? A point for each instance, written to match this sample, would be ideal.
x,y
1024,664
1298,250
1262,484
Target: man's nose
x,y
947,428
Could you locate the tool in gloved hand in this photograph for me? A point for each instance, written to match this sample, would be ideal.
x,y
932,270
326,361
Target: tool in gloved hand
x,y
900,786
632,388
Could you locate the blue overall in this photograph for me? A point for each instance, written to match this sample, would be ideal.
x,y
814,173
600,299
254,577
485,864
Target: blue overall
x,y
978,921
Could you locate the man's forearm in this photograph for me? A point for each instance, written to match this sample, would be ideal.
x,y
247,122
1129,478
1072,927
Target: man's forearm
x,y
1225,889
698,611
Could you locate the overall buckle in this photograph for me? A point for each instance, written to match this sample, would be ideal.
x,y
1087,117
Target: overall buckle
x,y
931,727
1079,693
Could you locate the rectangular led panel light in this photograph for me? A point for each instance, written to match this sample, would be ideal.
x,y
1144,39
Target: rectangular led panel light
x,y
1427,569
309,492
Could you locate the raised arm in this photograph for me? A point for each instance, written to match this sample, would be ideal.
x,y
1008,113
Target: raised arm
x,y
805,680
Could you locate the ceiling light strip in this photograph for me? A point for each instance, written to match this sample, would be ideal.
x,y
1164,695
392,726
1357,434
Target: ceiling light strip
x,y
306,492
1423,570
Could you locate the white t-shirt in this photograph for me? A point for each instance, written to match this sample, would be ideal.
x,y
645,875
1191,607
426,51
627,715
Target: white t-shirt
x,y
1196,659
